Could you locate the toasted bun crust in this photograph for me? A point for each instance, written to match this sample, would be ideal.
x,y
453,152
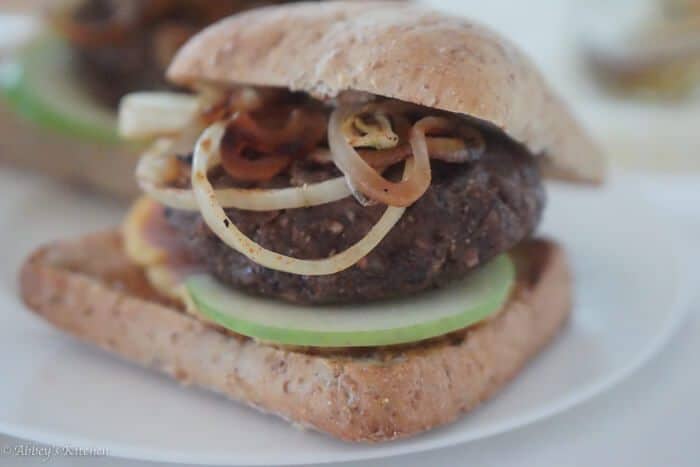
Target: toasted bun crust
x,y
106,168
90,289
400,51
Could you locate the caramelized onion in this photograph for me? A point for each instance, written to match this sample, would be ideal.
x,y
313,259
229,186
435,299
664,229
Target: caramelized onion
x,y
221,107
249,151
215,217
369,181
441,148
244,124
244,169
158,167
275,148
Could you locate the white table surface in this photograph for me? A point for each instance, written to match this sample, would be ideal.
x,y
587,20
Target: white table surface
x,y
652,419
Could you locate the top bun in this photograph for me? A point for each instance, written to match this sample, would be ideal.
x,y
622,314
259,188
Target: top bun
x,y
401,51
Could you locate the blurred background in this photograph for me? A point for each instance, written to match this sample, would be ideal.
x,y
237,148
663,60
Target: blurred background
x,y
629,68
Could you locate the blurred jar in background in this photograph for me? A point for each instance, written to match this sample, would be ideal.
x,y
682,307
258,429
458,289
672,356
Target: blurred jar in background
x,y
639,72
642,47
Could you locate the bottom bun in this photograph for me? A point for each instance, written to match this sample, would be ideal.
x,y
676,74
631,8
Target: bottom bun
x,y
108,168
90,289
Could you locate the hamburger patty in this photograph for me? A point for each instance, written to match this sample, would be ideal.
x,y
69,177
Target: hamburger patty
x,y
471,213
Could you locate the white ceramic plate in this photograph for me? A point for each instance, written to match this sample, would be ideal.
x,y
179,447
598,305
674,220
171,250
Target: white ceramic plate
x,y
630,289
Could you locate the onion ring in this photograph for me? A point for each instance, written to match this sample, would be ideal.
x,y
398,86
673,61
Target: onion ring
x,y
366,179
223,227
156,166
451,150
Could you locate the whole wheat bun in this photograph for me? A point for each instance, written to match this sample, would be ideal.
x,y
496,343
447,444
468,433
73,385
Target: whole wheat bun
x,y
401,51
89,288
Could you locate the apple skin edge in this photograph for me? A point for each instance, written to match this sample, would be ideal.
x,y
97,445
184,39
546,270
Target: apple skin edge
x,y
378,327
34,83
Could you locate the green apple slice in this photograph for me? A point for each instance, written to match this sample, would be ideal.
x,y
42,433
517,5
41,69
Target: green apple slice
x,y
409,319
40,85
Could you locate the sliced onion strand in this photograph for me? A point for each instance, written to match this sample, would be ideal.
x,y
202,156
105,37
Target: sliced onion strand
x,y
153,166
367,179
215,217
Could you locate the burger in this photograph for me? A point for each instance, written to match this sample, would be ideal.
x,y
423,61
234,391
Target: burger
x,y
59,93
337,227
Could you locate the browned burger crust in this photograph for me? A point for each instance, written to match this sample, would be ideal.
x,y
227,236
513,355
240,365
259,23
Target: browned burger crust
x,y
90,289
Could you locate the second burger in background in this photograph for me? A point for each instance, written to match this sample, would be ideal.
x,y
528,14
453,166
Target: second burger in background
x,y
126,45
58,93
